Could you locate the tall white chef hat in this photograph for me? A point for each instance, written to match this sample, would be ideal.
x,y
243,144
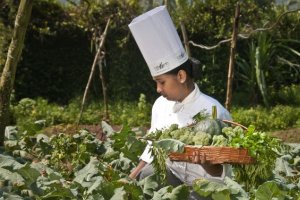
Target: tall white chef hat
x,y
158,40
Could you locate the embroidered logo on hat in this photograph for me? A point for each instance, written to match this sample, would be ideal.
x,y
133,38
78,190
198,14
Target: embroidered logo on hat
x,y
158,40
161,66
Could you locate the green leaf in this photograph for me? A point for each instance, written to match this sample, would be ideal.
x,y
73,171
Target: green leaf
x,y
11,132
54,189
236,188
11,196
15,178
270,190
206,187
95,185
107,129
122,163
170,145
85,173
159,195
126,142
95,197
133,148
51,173
119,194
222,195
10,144
9,162
178,193
107,189
28,173
150,185
283,166
134,191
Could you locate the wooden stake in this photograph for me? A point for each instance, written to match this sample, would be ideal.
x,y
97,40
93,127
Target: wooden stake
x,y
232,58
185,39
104,89
93,69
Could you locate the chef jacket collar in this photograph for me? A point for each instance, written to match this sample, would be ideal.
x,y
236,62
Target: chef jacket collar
x,y
178,106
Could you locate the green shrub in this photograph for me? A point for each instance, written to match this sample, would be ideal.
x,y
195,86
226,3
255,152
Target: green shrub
x,y
137,114
276,118
288,95
28,111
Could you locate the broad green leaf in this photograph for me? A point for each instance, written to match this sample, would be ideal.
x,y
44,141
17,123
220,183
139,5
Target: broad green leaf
x,y
296,161
222,195
283,166
135,191
11,132
8,196
170,145
122,163
10,144
133,148
178,193
110,154
43,168
56,191
15,178
159,195
236,189
95,197
9,162
107,189
270,190
28,173
89,170
126,142
107,129
119,194
96,184
42,137
121,138
206,187
53,189
150,184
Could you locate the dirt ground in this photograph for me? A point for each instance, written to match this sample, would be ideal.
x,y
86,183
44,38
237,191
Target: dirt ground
x,y
289,135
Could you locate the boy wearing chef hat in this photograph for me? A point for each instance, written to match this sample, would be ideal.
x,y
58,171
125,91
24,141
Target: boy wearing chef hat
x,y
180,100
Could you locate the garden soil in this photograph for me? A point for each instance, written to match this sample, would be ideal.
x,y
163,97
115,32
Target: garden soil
x,y
290,135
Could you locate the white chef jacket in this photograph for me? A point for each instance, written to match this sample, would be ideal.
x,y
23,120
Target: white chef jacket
x,y
166,113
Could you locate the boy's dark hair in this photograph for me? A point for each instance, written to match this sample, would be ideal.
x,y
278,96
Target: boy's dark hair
x,y
191,67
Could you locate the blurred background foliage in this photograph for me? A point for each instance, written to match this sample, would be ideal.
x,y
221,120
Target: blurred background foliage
x,y
62,36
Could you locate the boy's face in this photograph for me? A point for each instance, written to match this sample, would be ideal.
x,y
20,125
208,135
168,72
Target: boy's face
x,y
170,86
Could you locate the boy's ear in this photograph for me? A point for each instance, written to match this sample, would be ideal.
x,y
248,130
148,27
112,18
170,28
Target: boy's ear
x,y
181,76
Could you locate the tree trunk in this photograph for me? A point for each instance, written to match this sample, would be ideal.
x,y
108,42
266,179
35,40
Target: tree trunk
x,y
232,58
13,56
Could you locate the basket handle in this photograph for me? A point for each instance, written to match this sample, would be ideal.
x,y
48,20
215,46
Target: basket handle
x,y
234,123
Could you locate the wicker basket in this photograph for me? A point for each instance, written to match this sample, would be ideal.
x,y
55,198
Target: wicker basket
x,y
215,155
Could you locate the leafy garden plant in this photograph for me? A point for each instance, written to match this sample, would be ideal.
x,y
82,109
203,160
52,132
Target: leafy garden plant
x,y
251,179
80,166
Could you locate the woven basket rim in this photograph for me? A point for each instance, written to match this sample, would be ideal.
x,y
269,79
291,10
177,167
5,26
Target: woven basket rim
x,y
214,155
